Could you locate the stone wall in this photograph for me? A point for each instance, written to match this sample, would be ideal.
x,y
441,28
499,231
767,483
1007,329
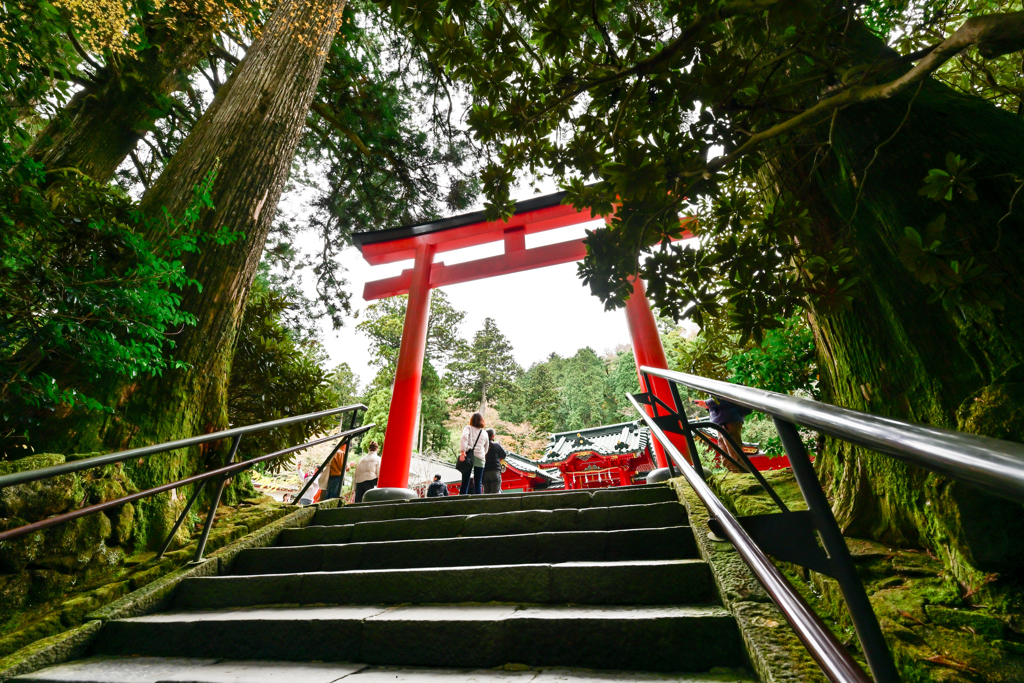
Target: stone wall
x,y
51,579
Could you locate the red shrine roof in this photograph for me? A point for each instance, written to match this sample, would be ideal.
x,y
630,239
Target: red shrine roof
x,y
529,468
610,440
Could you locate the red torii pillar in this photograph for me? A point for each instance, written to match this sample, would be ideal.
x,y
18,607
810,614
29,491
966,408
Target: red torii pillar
x,y
405,396
648,350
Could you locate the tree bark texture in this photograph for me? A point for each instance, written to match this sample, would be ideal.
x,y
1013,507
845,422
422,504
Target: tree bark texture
x,y
101,125
250,132
953,363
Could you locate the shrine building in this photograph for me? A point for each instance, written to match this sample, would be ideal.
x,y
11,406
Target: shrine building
x,y
517,474
611,455
522,474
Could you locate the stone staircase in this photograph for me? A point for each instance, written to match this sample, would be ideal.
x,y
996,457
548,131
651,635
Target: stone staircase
x,y
531,587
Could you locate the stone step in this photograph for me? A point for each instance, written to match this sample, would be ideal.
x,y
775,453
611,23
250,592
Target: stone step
x,y
189,670
492,524
667,543
544,492
474,505
630,638
661,582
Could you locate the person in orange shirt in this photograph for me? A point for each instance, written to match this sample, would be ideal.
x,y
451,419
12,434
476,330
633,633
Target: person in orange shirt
x,y
337,474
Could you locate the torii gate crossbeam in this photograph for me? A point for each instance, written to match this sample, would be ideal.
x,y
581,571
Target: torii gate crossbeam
x,y
421,243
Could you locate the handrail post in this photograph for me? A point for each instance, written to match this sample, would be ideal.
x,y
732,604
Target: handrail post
x,y
316,473
181,518
863,616
348,449
215,503
744,462
649,389
687,430
824,647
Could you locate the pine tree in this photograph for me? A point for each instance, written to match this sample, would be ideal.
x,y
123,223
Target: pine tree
x,y
533,399
384,320
542,399
583,391
486,369
622,380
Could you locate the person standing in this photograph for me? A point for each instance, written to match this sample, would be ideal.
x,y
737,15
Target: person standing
x,y
730,417
314,488
367,470
492,464
436,488
473,444
337,476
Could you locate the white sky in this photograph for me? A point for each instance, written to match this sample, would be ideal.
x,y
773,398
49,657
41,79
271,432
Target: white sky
x,y
540,311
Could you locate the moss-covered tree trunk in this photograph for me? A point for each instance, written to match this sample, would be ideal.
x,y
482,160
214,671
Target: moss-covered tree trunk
x,y
102,124
954,363
250,133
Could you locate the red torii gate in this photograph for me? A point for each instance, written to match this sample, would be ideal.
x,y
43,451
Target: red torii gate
x,y
421,243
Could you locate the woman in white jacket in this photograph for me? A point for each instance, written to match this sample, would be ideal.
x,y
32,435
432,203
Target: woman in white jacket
x,y
474,440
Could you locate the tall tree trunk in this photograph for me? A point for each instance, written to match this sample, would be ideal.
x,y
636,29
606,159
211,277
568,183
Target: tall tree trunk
x,y
250,133
483,400
954,363
101,125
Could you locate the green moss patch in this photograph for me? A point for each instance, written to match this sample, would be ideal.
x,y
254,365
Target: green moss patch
x,y
52,581
940,630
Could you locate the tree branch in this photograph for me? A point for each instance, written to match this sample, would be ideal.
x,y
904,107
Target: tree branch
x,y
225,55
81,51
667,53
604,34
140,169
328,116
994,35
519,37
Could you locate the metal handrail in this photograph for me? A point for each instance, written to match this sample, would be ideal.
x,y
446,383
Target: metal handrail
x,y
790,536
226,471
222,473
990,464
832,657
119,456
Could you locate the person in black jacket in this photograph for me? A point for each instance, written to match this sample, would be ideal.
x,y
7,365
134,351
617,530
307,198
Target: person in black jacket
x,y
492,465
436,488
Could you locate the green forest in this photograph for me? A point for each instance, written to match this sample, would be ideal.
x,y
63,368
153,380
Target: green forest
x,y
856,169
558,394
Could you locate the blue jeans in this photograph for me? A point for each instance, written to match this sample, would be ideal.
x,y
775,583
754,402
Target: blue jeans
x,y
478,475
334,487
